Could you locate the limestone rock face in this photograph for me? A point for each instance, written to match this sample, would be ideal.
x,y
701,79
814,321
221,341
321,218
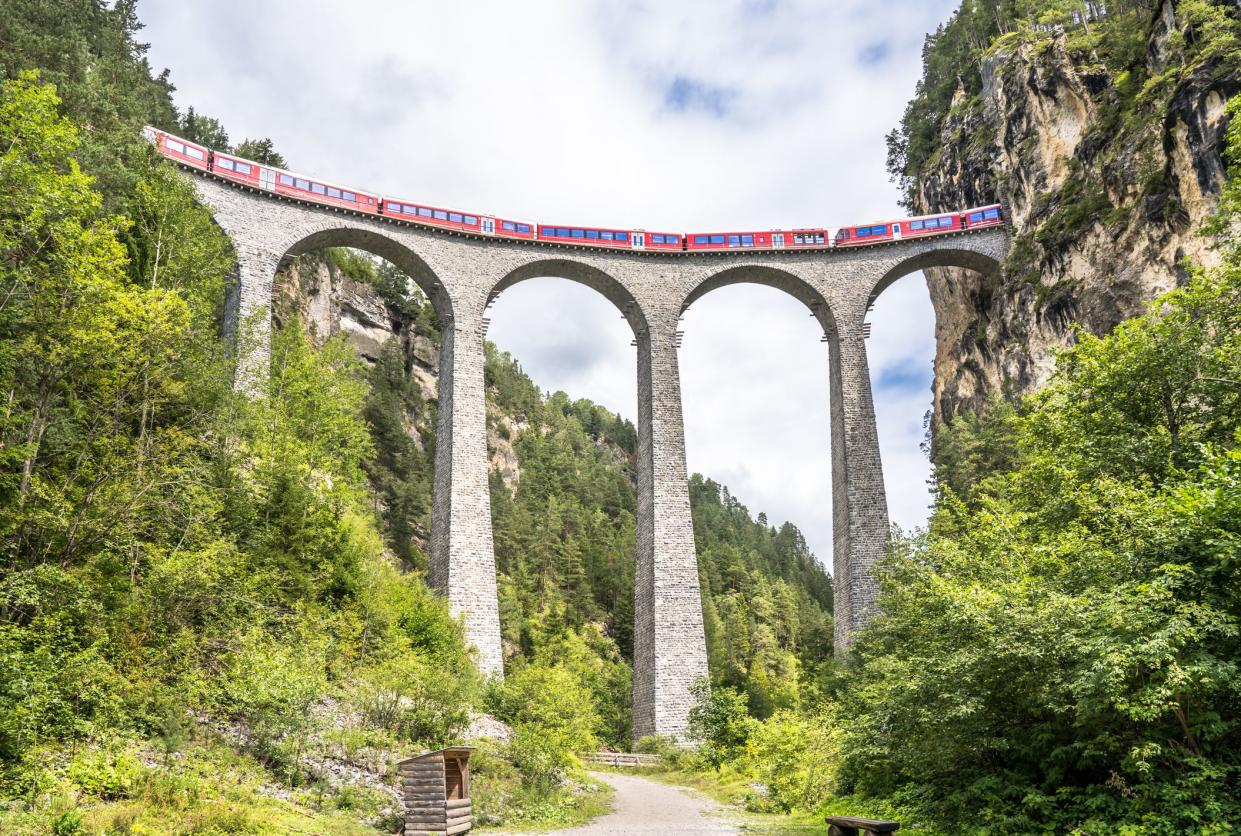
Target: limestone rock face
x,y
1104,210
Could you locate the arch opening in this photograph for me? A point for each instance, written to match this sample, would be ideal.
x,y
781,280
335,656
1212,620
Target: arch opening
x,y
759,446
563,472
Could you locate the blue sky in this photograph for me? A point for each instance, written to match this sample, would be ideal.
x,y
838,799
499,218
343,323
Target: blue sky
x,y
719,114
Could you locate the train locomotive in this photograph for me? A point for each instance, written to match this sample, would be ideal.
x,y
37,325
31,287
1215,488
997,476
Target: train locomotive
x,y
316,190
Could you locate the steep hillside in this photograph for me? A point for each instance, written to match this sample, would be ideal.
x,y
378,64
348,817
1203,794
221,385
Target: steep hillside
x,y
563,500
1100,128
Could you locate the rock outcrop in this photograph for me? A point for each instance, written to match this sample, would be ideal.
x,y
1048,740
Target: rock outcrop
x,y
1107,178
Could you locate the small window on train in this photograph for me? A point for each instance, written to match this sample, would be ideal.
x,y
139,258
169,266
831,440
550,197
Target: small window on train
x,y
195,153
333,192
350,196
439,214
227,165
455,217
302,184
975,217
508,226
593,234
318,188
991,213
578,233
286,180
917,224
734,240
471,220
798,239
747,240
622,236
242,168
717,239
607,236
423,212
819,238
523,228
657,239
673,239
173,145
700,239
862,231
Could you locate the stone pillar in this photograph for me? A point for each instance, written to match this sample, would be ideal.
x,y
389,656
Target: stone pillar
x,y
463,565
247,316
670,648
859,506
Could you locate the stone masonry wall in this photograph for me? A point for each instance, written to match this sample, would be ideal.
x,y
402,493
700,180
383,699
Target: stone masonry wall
x,y
461,274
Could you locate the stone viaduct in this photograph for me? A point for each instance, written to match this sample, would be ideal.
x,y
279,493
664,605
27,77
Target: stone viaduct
x,y
463,274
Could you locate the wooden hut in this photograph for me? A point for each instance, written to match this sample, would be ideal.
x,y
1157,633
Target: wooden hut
x,y
436,788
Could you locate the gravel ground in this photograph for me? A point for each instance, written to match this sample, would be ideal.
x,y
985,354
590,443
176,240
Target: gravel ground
x,y
646,807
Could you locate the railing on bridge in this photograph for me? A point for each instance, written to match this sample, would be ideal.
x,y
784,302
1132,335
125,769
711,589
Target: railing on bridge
x,y
621,759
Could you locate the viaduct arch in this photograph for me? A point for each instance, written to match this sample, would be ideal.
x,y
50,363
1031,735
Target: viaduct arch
x,y
463,274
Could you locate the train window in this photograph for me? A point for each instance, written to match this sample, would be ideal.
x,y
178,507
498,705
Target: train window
x,y
318,188
423,212
593,234
301,184
917,224
455,217
863,231
607,236
508,226
747,240
286,180
975,217
819,238
333,192
700,239
471,220
227,165
579,233
622,236
799,239
734,240
523,227
439,214
350,196
717,239
242,168
560,232
173,145
194,152
657,239
991,214
672,239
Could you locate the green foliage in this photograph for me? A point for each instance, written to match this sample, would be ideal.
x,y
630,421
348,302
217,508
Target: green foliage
x,y
261,151
720,719
553,717
1060,652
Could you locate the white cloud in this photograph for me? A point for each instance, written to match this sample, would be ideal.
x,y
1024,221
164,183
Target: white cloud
x,y
700,114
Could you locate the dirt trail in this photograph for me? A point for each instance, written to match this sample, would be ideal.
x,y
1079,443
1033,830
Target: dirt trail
x,y
645,807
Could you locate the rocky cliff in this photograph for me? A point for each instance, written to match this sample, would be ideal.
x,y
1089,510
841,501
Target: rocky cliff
x,y
1102,136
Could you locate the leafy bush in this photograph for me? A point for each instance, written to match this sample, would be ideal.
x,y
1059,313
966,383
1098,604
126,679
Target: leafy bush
x,y
721,721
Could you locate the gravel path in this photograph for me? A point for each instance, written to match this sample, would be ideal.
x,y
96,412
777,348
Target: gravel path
x,y
645,807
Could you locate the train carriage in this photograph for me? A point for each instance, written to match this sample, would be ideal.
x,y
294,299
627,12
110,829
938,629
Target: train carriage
x,y
319,191
926,225
992,215
432,215
181,150
855,236
584,236
506,228
774,239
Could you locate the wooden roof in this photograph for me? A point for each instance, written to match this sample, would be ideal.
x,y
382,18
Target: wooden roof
x,y
455,751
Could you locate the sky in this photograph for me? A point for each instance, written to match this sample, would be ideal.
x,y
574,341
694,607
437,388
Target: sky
x,y
703,114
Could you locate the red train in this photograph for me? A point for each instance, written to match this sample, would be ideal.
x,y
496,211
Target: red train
x,y
314,190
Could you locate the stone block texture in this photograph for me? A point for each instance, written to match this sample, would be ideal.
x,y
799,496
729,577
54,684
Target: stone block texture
x,y
461,274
